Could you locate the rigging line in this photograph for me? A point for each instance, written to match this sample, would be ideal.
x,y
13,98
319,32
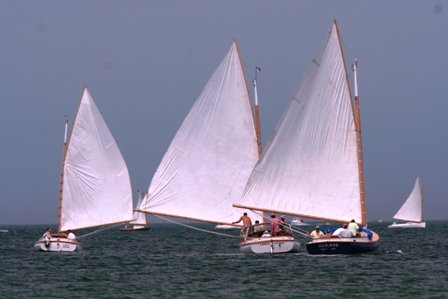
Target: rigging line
x,y
103,228
296,230
196,228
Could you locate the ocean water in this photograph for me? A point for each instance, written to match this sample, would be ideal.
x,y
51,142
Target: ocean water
x,y
172,261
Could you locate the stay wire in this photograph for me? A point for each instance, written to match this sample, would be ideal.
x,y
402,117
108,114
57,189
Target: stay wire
x,y
196,228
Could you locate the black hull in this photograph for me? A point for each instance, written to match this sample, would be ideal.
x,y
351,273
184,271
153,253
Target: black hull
x,y
343,245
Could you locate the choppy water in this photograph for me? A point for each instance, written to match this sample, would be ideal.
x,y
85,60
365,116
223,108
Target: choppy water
x,y
173,261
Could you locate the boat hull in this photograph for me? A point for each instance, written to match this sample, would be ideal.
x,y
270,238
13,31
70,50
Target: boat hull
x,y
273,245
135,228
298,222
329,246
57,244
408,225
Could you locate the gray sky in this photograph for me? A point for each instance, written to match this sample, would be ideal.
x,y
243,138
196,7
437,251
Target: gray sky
x,y
145,63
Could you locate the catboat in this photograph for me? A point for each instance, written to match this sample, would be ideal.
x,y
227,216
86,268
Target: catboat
x,y
95,188
258,238
313,165
141,222
411,210
209,160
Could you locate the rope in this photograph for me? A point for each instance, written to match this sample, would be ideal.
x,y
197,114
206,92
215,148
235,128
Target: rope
x,y
103,228
196,228
298,231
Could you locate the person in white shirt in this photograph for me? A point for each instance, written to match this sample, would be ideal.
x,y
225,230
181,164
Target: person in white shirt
x,y
317,233
71,235
342,232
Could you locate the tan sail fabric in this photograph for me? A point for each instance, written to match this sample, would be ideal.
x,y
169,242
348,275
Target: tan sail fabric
x,y
310,167
207,164
97,189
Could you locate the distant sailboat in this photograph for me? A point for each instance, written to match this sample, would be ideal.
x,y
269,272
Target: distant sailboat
x,y
95,188
212,154
411,210
313,166
141,222
298,222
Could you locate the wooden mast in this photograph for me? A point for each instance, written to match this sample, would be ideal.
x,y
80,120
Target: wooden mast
x,y
257,113
256,110
421,200
357,117
359,142
61,181
257,125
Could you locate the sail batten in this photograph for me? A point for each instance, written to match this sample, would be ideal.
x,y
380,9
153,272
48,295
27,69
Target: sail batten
x,y
310,167
212,154
96,189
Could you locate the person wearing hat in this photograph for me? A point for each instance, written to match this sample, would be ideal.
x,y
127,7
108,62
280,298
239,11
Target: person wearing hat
x,y
317,233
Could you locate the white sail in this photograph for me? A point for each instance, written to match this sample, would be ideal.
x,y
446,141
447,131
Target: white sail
x,y
310,166
96,186
208,162
412,209
140,218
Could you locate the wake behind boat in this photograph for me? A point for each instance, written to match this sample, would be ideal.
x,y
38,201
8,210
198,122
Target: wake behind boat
x,y
95,188
411,210
313,167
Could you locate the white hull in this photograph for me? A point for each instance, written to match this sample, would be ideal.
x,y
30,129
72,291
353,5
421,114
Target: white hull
x,y
297,222
280,244
58,244
408,225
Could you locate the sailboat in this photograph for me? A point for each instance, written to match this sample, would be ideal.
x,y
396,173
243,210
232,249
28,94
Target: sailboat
x,y
141,222
313,165
95,188
298,222
208,162
411,210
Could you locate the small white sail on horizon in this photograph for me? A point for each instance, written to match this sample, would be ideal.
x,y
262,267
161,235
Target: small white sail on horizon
x,y
212,154
412,209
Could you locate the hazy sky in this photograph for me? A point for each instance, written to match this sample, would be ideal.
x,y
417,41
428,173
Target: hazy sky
x,y
145,63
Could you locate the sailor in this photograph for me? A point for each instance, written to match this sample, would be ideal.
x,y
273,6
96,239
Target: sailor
x,y
353,227
247,222
47,236
317,233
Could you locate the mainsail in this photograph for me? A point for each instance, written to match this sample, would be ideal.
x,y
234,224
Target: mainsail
x,y
96,186
311,167
412,209
207,164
